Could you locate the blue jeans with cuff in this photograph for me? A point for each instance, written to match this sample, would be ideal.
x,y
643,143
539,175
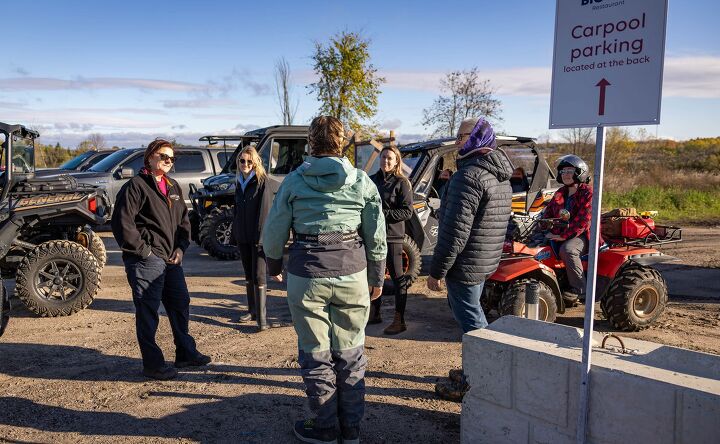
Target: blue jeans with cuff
x,y
464,302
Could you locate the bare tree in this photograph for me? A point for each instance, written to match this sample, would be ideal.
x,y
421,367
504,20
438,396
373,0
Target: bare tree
x,y
463,95
94,142
284,90
578,138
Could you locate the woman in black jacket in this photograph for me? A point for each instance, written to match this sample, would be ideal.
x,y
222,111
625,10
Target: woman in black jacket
x,y
150,223
397,203
247,223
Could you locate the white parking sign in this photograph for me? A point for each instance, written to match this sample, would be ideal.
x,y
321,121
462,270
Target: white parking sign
x,y
608,62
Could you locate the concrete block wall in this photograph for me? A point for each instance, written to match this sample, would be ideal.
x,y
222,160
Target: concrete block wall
x,y
525,388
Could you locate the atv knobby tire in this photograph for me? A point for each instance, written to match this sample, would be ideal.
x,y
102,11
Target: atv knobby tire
x,y
635,299
215,235
4,308
58,278
512,301
412,260
97,248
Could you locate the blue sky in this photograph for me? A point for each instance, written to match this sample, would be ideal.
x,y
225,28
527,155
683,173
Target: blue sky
x,y
136,70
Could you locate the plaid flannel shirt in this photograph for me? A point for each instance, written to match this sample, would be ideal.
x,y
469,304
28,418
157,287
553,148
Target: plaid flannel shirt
x,y
580,212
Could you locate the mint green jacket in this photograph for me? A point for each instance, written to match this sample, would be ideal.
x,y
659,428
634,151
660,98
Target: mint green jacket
x,y
324,195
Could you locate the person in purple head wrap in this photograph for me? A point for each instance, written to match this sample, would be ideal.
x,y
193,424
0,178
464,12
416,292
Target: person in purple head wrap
x,y
481,140
473,219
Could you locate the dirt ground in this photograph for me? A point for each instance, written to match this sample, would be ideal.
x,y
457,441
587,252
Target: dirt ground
x,y
77,379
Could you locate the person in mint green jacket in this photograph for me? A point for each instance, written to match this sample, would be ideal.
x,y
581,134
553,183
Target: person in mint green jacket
x,y
336,266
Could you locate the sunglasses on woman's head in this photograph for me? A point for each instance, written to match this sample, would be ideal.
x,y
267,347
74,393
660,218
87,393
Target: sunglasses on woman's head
x,y
164,157
243,162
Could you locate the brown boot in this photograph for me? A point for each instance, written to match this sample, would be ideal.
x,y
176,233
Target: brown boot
x,y
397,326
375,317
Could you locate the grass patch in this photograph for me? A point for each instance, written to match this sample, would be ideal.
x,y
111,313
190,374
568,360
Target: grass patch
x,y
672,204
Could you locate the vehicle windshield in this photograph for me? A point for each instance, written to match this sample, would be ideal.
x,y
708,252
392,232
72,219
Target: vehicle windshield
x,y
411,160
23,155
75,162
107,164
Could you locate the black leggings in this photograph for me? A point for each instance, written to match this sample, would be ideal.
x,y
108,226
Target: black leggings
x,y
253,262
395,266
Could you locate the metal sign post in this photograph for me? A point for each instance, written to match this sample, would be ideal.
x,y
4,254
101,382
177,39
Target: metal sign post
x,y
607,70
591,279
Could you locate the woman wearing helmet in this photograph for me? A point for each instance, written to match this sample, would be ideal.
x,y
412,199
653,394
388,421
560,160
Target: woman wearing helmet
x,y
575,196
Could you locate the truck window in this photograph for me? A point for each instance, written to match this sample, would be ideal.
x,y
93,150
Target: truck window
x,y
136,162
286,154
189,162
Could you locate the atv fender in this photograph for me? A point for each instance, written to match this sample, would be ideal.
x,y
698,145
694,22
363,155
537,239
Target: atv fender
x,y
511,270
612,260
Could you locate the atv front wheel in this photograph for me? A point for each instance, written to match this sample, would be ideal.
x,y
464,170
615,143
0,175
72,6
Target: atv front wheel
x,y
215,233
512,301
635,298
58,278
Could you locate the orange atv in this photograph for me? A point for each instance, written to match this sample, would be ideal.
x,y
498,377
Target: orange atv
x,y
631,292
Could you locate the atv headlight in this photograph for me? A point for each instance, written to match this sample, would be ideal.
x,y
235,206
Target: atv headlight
x,y
223,186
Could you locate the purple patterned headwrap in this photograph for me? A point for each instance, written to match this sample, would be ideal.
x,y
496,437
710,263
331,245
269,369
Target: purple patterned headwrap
x,y
482,140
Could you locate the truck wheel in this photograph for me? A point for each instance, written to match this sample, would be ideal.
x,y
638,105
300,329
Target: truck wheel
x,y
4,308
412,260
635,298
215,235
58,278
512,301
97,248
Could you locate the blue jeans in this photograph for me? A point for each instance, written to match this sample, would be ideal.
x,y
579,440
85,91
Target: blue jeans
x,y
464,302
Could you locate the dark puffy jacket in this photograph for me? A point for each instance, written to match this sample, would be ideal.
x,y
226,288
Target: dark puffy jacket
x,y
474,215
397,203
248,217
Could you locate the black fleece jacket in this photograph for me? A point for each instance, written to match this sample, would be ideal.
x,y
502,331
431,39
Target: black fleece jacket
x,y
397,203
145,221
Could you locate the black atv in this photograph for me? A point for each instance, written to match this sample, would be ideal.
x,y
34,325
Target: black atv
x,y
44,231
282,149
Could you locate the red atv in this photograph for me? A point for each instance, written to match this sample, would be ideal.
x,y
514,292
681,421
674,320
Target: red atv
x,y
632,294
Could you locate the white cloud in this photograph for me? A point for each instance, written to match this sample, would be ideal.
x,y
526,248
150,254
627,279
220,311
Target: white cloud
x,y
690,77
80,83
390,124
199,103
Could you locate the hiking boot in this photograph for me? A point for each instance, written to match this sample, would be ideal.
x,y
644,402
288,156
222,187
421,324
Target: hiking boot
x,y
198,361
456,375
397,326
375,317
246,317
163,373
306,431
451,391
350,434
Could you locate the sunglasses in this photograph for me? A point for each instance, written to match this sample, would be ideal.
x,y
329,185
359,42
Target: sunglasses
x,y
165,157
567,171
460,136
243,162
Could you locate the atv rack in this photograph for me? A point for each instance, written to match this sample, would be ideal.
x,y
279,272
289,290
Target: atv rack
x,y
660,235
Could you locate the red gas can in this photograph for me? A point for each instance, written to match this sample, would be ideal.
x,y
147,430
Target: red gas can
x,y
637,227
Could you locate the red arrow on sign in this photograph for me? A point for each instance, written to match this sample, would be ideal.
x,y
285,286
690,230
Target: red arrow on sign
x,y
601,105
